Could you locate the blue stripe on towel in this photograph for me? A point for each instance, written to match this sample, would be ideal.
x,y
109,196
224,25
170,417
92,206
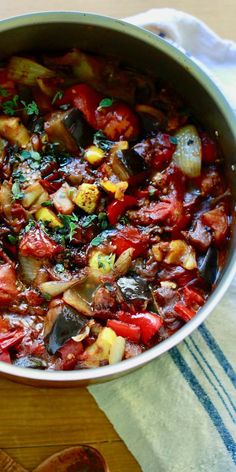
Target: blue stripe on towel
x,y
215,348
205,401
209,379
213,373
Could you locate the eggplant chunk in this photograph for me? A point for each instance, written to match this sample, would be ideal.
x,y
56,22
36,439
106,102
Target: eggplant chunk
x,y
58,133
76,125
68,324
133,288
208,266
126,163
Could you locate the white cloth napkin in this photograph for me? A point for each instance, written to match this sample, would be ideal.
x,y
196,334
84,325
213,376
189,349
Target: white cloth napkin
x,y
177,414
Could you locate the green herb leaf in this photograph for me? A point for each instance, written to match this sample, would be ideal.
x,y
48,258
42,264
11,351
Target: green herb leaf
x,y
47,203
124,220
173,140
10,106
3,92
151,192
59,268
30,108
102,220
47,296
105,103
16,191
30,225
97,240
100,140
88,220
58,95
12,239
70,222
18,175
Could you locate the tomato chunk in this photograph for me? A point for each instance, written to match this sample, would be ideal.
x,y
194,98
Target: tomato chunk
x,y
217,220
69,354
37,244
127,238
184,312
118,207
8,290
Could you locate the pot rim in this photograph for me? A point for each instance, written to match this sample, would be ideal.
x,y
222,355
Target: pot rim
x,y
111,371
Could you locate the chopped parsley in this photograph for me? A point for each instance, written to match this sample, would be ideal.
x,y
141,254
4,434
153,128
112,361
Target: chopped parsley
x,y
105,103
30,108
173,140
16,191
100,140
47,203
70,223
12,239
59,268
58,95
102,220
88,220
10,106
97,240
3,92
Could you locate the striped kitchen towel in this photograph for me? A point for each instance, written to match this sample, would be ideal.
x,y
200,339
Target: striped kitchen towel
x,y
178,413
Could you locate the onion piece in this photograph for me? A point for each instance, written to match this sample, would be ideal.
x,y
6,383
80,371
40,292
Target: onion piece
x,y
25,71
50,319
55,288
123,262
117,350
5,199
29,267
188,154
72,298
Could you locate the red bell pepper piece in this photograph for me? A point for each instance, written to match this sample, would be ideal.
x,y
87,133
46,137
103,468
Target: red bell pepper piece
x,y
11,338
130,237
36,243
183,312
149,323
69,354
118,207
126,330
8,290
85,98
192,296
209,150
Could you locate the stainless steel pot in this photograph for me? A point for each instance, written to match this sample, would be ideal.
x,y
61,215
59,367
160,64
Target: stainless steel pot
x,y
144,51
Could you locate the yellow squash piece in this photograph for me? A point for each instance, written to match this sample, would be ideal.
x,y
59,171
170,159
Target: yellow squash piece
x,y
14,131
102,262
87,197
100,350
116,188
31,194
94,155
181,253
47,215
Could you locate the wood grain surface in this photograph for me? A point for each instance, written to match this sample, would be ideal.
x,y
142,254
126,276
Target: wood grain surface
x,y
35,423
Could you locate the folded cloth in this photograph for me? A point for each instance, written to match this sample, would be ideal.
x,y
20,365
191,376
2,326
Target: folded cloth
x,y
177,414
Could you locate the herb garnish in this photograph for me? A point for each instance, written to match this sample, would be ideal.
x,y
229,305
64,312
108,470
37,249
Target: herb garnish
x,y
102,220
12,239
100,140
58,95
16,191
3,92
10,107
70,223
59,268
30,108
88,220
47,203
97,240
105,103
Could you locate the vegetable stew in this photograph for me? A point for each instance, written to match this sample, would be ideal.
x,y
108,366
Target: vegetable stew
x,y
114,211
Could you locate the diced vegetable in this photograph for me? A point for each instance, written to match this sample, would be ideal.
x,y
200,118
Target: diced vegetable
x,y
25,71
87,197
62,199
14,131
58,133
149,323
184,312
180,253
67,324
216,220
102,262
94,155
188,154
76,125
134,288
48,216
117,350
100,349
116,188
31,194
129,238
117,208
37,244
29,267
54,288
8,289
126,330
11,338
123,262
73,298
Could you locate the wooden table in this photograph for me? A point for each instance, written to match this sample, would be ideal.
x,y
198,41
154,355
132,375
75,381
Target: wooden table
x,y
35,423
